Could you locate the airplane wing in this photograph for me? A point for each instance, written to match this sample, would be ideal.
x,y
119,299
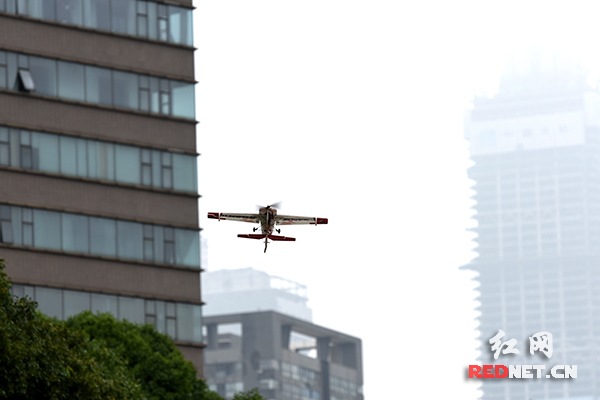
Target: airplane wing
x,y
254,218
296,220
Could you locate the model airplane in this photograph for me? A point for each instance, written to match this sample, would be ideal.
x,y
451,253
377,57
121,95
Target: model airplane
x,y
267,218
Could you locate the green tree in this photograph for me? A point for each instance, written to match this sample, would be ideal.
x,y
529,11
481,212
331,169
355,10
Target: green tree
x,y
41,358
152,357
249,395
90,357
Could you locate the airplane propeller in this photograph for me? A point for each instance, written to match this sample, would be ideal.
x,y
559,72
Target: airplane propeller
x,y
276,205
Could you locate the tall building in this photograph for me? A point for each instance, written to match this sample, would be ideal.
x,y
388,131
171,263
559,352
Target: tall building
x,y
98,171
536,152
234,291
286,358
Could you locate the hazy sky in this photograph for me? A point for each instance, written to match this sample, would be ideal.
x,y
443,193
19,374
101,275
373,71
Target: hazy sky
x,y
353,110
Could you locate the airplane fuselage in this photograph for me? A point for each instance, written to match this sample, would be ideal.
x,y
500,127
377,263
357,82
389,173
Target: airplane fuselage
x,y
267,220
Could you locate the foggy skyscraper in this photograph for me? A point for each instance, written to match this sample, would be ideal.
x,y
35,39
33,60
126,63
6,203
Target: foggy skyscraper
x,y
536,152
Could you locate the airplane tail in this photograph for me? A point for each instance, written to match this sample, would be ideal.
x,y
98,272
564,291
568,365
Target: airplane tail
x,y
274,238
252,236
282,238
262,236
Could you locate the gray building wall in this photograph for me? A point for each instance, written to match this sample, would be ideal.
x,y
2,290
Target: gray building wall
x,y
284,357
160,284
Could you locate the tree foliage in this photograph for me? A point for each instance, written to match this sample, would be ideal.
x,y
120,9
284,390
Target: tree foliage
x,y
41,358
152,357
249,395
90,357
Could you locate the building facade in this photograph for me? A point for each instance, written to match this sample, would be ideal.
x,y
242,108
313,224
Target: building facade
x,y
286,358
98,170
536,152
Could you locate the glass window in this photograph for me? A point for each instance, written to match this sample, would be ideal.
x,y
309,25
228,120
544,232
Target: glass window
x,y
152,25
130,241
166,170
103,239
189,324
128,164
98,86
69,12
169,246
123,16
68,155
154,94
42,9
81,157
185,173
92,159
179,25
70,81
98,236
142,18
183,99
22,7
25,81
96,14
4,146
103,303
17,232
3,79
187,247
43,71
6,230
49,301
156,169
148,243
75,302
46,229
16,290
11,71
75,229
3,70
150,307
171,327
160,316
45,152
164,97
26,226
158,244
131,309
170,309
25,150
154,20
125,89
146,172
11,6
105,158
22,61
144,93
15,144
